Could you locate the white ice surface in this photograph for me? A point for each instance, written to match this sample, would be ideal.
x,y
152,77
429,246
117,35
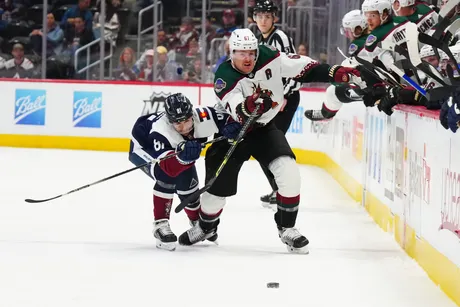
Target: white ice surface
x,y
95,247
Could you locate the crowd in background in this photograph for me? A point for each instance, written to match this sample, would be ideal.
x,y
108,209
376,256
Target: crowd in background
x,y
71,26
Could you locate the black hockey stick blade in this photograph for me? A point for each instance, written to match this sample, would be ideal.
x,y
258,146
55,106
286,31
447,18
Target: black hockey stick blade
x,y
227,156
444,21
34,201
375,70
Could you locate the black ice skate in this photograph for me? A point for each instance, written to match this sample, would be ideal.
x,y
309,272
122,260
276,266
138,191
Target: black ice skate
x,y
212,239
295,241
268,200
318,115
166,239
196,234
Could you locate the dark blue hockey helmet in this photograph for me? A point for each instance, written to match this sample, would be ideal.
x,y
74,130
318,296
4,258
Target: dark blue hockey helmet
x,y
178,108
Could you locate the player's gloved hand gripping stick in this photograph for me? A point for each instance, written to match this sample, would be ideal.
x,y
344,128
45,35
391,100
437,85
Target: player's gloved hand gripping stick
x,y
118,174
236,141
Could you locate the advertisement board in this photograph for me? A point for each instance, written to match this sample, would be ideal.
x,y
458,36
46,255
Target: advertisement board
x,y
407,162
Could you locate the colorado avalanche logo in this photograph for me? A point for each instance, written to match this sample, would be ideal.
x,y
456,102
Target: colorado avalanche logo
x,y
219,85
370,40
352,49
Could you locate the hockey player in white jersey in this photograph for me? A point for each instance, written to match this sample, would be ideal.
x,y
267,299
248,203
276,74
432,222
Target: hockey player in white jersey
x,y
253,77
265,13
181,129
354,27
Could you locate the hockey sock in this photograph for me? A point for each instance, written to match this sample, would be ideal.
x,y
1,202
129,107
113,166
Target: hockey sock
x,y
209,222
161,207
192,210
288,207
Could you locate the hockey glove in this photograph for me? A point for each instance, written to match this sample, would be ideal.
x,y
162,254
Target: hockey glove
x,y
374,93
389,101
260,97
443,114
231,130
188,151
453,115
341,74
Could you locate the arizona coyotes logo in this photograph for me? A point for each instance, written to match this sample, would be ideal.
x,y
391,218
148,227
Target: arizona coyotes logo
x,y
263,93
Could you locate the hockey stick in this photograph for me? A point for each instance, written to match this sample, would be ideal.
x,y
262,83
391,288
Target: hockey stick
x,y
444,21
34,201
413,55
227,156
369,67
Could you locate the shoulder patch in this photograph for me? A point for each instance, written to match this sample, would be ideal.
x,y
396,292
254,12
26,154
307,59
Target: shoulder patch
x,y
352,49
219,85
272,47
371,39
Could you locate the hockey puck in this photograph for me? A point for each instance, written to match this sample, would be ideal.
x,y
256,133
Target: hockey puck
x,y
273,285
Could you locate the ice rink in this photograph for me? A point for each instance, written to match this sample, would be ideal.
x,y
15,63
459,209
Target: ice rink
x,y
95,247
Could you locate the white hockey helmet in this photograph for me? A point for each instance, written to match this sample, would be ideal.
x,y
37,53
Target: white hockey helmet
x,y
426,51
243,39
404,3
376,5
352,20
455,49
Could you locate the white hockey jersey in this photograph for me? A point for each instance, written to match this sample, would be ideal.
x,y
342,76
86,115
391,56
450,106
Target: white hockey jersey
x,y
232,87
153,136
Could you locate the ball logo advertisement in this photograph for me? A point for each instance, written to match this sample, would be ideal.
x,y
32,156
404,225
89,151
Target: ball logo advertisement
x,y
87,109
30,107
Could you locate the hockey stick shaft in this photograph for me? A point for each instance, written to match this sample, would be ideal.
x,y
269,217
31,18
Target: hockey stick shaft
x,y
227,156
116,175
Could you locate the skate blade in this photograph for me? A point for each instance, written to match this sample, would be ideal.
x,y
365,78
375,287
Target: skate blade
x,y
169,246
303,250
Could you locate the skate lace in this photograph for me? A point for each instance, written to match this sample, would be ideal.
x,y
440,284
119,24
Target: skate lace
x,y
291,234
195,233
165,228
317,114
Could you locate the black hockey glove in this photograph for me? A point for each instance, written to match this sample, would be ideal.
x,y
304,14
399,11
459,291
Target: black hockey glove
x,y
389,101
260,97
373,94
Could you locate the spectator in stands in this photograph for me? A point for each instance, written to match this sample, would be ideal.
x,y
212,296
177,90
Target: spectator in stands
x,y
2,62
19,62
54,38
302,49
79,10
251,5
146,67
112,23
166,70
186,34
210,31
193,71
224,57
228,21
77,36
124,71
162,39
192,50
6,11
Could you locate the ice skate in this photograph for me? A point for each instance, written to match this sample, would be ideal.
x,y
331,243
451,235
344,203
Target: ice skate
x,y
212,239
319,115
165,238
196,234
269,200
294,240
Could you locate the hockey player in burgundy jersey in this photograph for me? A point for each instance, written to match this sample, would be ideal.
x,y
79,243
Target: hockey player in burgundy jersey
x,y
183,129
